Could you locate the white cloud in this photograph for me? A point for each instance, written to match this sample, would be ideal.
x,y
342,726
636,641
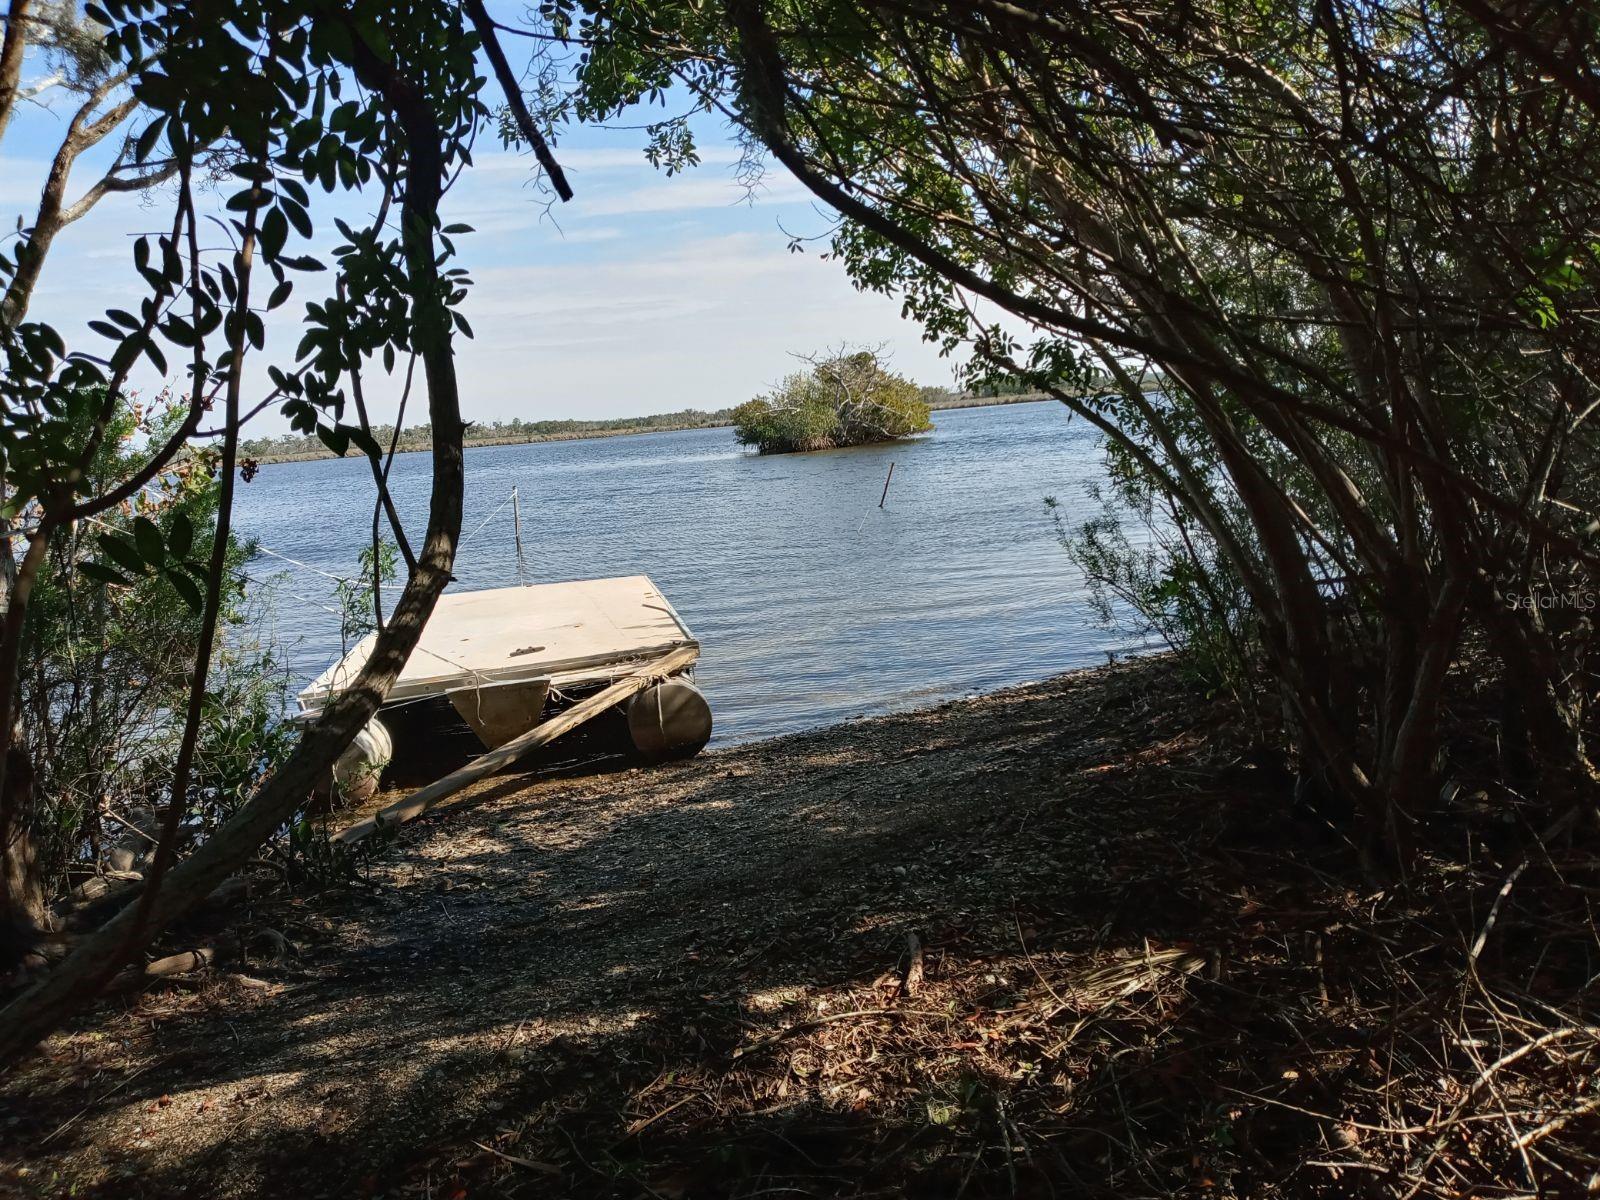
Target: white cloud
x,y
645,294
497,202
706,324
593,233
578,159
20,182
694,192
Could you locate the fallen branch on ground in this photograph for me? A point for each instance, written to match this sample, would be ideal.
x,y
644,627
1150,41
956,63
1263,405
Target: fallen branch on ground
x,y
421,801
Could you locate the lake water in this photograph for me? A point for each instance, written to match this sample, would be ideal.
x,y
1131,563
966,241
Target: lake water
x,y
812,604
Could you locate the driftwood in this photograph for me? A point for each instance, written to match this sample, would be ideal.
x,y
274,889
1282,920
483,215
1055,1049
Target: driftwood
x,y
421,801
27,952
185,962
89,903
266,943
85,905
181,963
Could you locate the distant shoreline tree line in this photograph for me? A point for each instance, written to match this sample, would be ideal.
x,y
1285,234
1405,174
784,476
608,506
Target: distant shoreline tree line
x,y
291,447
295,447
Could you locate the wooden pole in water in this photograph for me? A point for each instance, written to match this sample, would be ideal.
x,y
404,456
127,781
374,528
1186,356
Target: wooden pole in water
x,y
885,495
516,525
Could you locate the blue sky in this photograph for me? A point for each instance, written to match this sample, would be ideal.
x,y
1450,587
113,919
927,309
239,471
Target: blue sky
x,y
643,294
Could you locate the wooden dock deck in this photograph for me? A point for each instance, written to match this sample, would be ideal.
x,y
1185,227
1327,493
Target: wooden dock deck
x,y
586,631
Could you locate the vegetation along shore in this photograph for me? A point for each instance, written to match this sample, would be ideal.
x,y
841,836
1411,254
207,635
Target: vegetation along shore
x,y
291,447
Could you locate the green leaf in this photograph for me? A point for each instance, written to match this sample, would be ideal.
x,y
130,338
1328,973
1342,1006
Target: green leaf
x,y
179,331
253,171
274,232
121,552
147,139
298,217
244,201
147,537
181,536
185,587
363,440
101,573
336,439
122,358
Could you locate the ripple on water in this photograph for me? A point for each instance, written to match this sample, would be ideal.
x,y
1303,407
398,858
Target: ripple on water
x,y
813,605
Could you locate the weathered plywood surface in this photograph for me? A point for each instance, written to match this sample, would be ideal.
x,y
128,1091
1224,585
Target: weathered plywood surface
x,y
565,632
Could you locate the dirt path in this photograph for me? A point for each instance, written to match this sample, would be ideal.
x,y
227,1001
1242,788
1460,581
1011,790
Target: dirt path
x,y
502,942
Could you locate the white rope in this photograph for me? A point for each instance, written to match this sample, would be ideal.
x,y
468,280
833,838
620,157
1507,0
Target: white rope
x,y
260,549
479,678
295,562
297,596
484,522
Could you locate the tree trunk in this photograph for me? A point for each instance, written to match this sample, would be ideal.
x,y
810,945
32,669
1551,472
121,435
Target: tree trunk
x,y
54,215
12,628
11,52
22,904
30,265
40,1010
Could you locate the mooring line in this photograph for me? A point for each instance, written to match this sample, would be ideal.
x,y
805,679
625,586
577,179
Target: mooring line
x,y
260,549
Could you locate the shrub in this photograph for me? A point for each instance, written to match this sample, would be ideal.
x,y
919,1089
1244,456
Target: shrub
x,y
844,400
106,669
1150,570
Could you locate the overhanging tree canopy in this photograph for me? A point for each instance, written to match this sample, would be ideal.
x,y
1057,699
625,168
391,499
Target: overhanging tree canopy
x,y
302,97
1359,239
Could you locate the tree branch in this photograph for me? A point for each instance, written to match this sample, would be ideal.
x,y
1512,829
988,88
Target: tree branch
x,y
512,88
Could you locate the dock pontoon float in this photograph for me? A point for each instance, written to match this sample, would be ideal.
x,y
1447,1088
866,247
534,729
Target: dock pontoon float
x,y
512,661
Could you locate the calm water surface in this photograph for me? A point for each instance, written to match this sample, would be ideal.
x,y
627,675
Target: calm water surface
x,y
812,605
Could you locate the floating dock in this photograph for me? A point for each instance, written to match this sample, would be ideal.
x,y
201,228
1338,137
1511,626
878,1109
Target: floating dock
x,y
503,656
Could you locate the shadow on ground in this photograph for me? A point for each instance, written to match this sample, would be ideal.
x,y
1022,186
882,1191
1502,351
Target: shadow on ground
x,y
1045,942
